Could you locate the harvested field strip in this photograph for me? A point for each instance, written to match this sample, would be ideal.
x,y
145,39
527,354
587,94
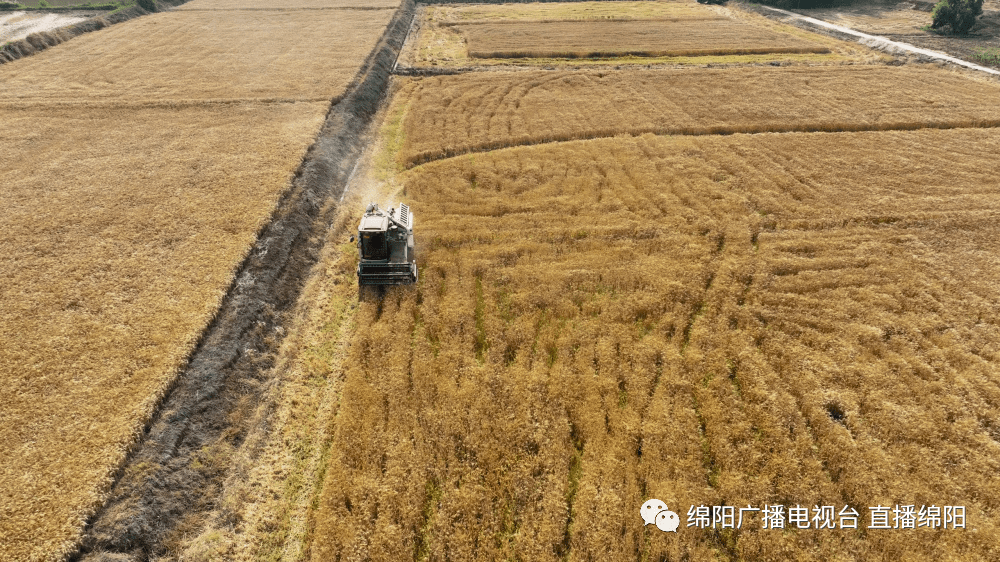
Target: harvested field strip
x,y
237,5
123,231
448,15
686,19
611,38
708,321
469,113
358,8
244,55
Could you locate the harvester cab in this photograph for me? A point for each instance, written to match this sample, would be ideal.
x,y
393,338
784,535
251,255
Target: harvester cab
x,y
385,242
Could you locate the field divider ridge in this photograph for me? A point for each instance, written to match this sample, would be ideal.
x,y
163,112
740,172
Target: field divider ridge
x,y
428,156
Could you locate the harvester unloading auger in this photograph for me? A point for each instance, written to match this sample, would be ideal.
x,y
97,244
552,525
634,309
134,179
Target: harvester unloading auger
x,y
385,242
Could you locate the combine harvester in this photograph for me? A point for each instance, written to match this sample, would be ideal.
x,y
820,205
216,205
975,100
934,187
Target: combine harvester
x,y
385,244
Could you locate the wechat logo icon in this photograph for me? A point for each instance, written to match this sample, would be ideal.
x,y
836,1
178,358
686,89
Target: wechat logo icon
x,y
655,512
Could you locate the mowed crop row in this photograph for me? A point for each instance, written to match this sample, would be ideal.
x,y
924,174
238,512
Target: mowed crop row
x,y
571,39
138,164
265,55
474,112
794,319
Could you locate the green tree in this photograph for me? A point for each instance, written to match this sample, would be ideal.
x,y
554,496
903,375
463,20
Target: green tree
x,y
150,5
960,15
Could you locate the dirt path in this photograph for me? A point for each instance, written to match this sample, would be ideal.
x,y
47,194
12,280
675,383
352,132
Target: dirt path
x,y
878,42
18,25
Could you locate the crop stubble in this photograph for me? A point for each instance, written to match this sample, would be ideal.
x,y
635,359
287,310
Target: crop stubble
x,y
122,236
203,56
476,112
615,33
574,39
135,180
238,5
784,319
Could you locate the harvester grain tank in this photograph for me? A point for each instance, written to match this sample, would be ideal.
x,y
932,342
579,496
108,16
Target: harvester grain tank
x,y
385,243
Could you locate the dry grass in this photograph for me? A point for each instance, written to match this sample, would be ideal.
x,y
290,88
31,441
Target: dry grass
x,y
123,228
684,318
440,42
199,56
569,39
287,4
474,112
877,19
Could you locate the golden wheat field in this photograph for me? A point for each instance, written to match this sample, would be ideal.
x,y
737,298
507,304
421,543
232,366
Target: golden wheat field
x,y
473,112
802,319
656,33
268,55
580,39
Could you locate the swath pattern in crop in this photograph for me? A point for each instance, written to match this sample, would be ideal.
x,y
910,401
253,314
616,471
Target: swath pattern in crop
x,y
454,115
704,320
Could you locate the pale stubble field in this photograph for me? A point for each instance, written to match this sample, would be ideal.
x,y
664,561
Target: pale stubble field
x,y
138,165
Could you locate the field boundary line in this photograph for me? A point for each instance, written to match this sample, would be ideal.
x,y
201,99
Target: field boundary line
x,y
723,130
884,43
